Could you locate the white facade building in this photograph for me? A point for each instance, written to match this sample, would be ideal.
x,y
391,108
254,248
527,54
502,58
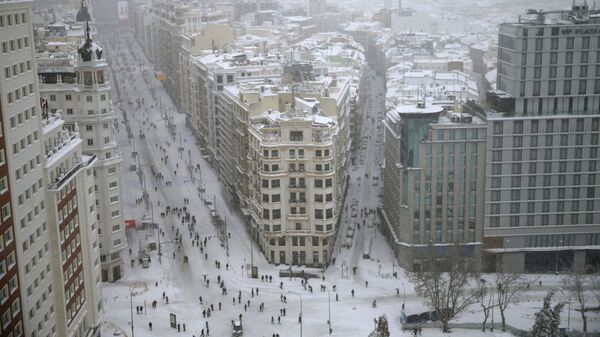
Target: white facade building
x,y
294,200
24,155
85,99
52,202
542,192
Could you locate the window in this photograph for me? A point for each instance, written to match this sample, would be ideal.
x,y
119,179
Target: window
x,y
296,136
5,213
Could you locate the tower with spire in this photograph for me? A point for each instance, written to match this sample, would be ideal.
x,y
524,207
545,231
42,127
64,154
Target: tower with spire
x,y
97,123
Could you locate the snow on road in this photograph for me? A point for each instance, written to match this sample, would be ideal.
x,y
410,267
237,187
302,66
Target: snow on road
x,y
183,283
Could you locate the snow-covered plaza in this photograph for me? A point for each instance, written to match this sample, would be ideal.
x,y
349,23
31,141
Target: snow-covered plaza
x,y
173,170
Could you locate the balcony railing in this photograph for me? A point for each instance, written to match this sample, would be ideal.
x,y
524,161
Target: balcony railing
x,y
60,180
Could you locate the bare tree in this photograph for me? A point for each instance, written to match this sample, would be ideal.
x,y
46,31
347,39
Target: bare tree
x,y
484,297
445,282
575,286
508,287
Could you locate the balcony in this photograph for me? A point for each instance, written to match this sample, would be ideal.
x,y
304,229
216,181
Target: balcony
x,y
297,201
296,186
65,176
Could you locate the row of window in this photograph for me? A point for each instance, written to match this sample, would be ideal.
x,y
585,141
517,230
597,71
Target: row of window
x,y
17,69
549,154
6,319
568,43
31,241
582,88
19,94
22,117
565,140
74,308
566,125
561,180
27,220
90,127
553,72
68,97
71,269
71,290
66,190
24,143
292,153
10,20
35,259
30,191
69,229
553,58
15,45
297,197
544,220
39,303
7,264
543,207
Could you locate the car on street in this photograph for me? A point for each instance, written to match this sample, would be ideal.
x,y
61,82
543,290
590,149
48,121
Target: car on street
x,y
237,329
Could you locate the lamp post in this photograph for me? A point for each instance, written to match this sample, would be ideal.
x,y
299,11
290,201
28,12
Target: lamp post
x,y
560,242
403,295
299,296
329,310
131,309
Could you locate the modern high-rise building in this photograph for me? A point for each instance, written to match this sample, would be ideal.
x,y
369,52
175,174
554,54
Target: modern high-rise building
x,y
72,230
433,178
543,176
294,202
54,289
82,91
23,159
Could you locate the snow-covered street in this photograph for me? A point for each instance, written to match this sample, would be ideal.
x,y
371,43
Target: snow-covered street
x,y
189,289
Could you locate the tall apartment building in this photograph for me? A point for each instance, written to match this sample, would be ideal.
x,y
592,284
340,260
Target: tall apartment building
x,y
167,21
194,76
82,91
10,292
294,202
72,230
542,189
433,178
24,159
50,292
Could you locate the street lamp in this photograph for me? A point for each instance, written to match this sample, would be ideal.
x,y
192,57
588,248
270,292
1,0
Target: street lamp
x,y
403,295
299,296
560,242
329,310
131,309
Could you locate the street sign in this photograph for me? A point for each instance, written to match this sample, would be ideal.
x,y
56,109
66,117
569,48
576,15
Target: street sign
x,y
173,321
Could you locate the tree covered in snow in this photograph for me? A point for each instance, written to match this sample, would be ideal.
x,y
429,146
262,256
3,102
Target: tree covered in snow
x,y
445,282
547,320
381,328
